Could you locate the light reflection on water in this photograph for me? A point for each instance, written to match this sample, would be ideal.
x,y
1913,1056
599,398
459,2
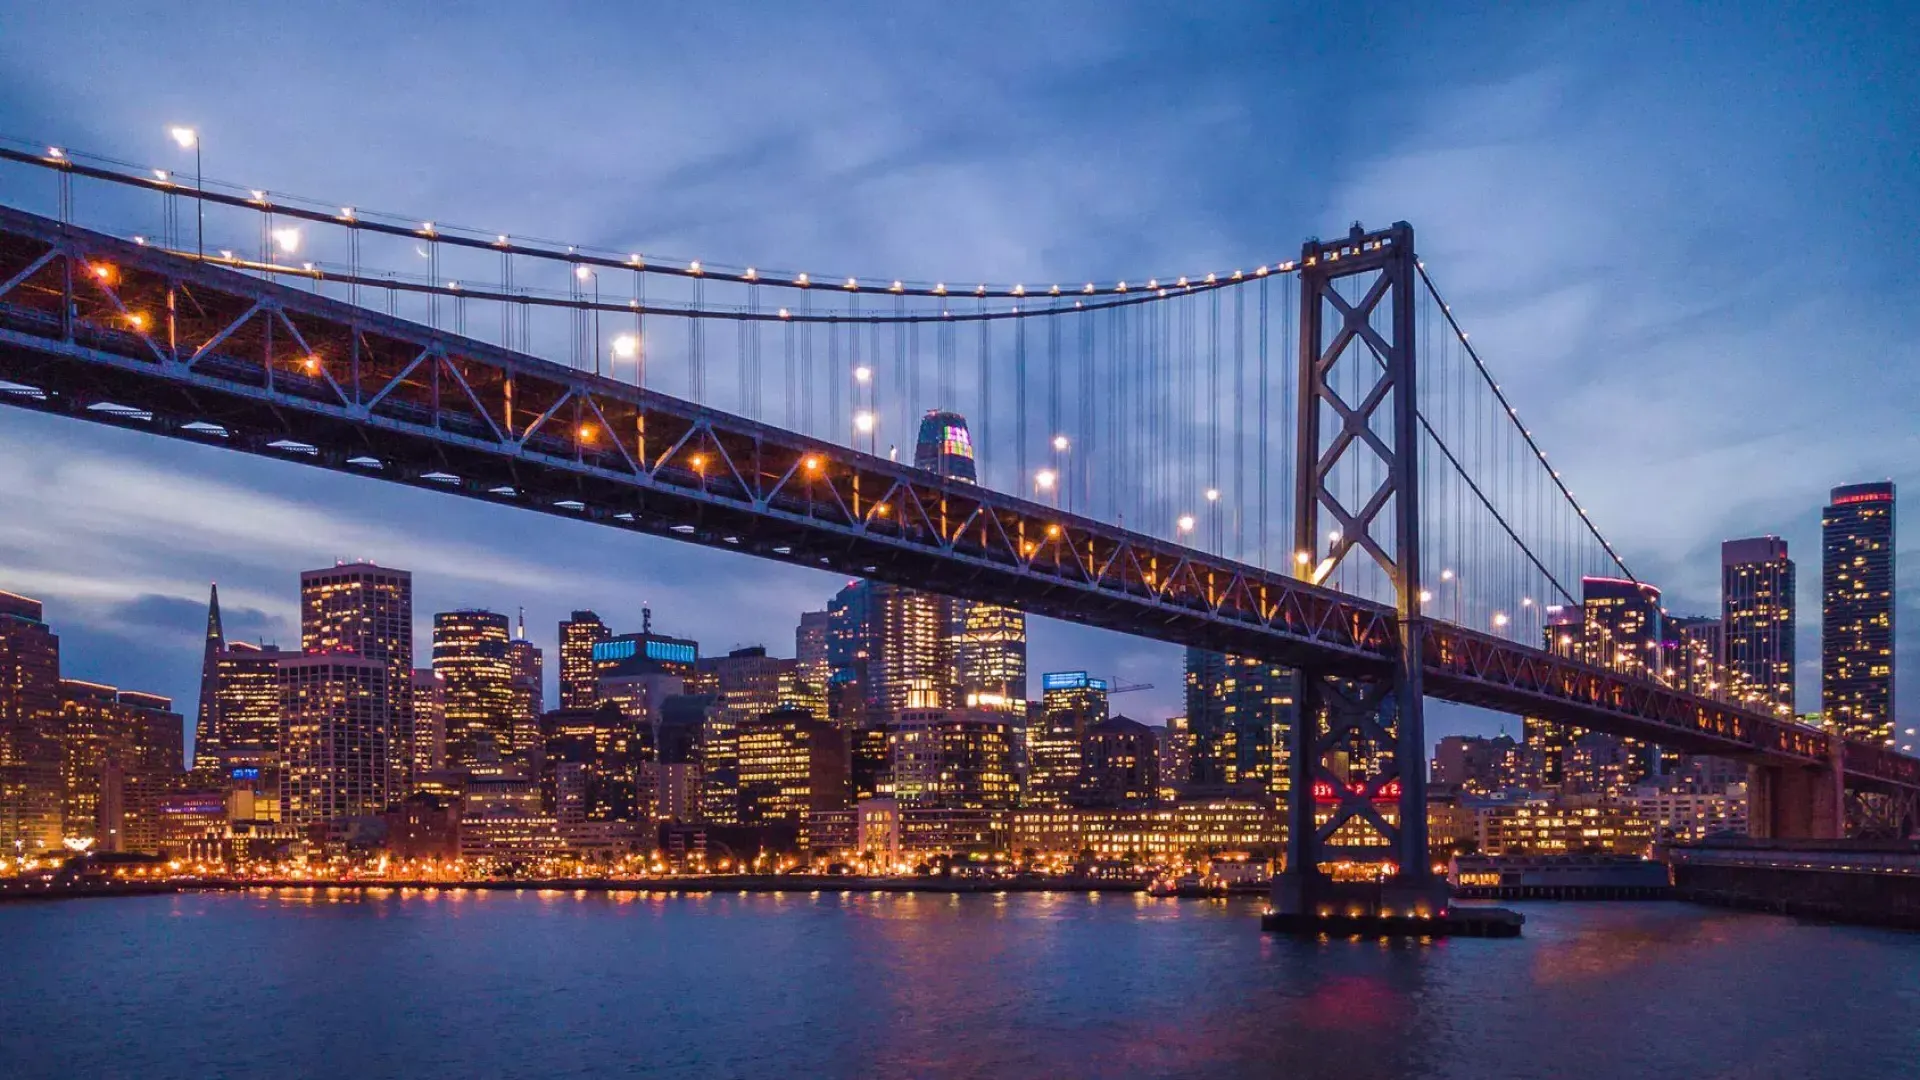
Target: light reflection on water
x,y
566,983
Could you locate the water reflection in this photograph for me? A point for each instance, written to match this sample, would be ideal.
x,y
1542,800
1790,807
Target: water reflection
x,y
565,983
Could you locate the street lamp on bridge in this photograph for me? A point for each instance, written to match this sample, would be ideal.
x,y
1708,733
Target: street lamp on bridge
x,y
189,139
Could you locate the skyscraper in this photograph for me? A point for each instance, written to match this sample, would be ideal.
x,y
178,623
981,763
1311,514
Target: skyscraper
x,y
1120,765
335,710
1856,616
206,728
429,720
367,610
1071,704
528,693
30,784
1756,621
246,711
578,636
470,656
1238,712
812,650
987,643
1622,629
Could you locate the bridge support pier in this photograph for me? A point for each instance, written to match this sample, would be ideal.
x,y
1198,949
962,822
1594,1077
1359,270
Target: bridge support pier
x,y
1799,802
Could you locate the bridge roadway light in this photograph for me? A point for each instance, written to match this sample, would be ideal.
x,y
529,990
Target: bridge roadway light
x,y
1044,479
1213,494
626,346
862,374
187,138
1499,618
287,240
863,422
1060,443
1185,523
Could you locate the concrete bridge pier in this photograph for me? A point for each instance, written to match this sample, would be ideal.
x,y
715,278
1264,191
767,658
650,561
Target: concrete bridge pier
x,y
1799,802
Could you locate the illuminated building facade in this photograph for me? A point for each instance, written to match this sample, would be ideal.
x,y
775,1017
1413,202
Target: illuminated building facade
x,y
594,765
1757,623
1856,615
429,722
207,758
1176,756
1475,765
121,751
811,649
1071,704
1691,816
31,786
1119,765
367,610
1239,710
645,652
471,657
527,691
1551,826
1562,635
335,715
1162,835
909,646
578,675
952,759
245,711
791,763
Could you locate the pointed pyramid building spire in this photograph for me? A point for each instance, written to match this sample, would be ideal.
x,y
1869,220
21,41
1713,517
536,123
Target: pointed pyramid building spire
x,y
207,727
216,637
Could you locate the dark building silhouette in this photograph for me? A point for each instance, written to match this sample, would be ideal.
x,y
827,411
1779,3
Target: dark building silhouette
x,y
1119,765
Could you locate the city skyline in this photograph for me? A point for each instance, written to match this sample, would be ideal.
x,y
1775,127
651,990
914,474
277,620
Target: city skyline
x,y
1683,485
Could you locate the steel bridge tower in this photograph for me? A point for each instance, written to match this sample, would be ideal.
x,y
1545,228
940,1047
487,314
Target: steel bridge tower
x,y
1357,745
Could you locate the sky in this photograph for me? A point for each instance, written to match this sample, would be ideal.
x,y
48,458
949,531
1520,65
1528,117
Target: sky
x,y
1680,234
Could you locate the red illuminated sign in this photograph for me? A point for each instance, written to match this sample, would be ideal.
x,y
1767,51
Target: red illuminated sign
x,y
1866,497
1323,791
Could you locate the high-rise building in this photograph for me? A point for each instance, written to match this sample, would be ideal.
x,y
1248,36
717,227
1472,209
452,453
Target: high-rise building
x,y
578,636
528,692
1176,756
791,763
246,710
1694,645
952,759
1071,704
1239,710
1756,619
367,610
987,643
909,641
1564,634
811,648
30,781
121,751
625,654
335,718
429,721
1621,623
595,765
206,728
990,655
470,656
1856,615
1119,765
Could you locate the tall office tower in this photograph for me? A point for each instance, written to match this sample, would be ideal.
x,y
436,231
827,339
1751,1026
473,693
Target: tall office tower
x,y
206,728
1238,711
1176,755
1119,765
811,648
335,719
952,759
578,636
1694,645
122,751
595,765
245,713
367,610
646,651
30,781
1564,634
1856,616
528,694
470,656
429,721
1622,631
849,653
1757,624
910,663
990,655
791,763
677,775
987,643
748,681
1071,704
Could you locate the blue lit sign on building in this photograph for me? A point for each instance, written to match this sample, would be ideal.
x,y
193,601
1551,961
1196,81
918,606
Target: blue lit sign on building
x,y
1071,680
245,772
626,648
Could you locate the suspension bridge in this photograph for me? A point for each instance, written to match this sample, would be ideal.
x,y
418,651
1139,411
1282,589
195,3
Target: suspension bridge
x,y
1303,459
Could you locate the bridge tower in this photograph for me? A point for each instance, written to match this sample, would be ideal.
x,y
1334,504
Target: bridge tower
x,y
1357,747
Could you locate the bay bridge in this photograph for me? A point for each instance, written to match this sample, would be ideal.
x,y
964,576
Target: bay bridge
x,y
1302,459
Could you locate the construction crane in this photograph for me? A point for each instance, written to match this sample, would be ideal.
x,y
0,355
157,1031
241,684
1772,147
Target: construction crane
x,y
1127,688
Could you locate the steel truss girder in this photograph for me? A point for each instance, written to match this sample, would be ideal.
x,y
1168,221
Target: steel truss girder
x,y
326,383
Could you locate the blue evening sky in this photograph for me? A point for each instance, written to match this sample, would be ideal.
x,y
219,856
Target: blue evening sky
x,y
1682,235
